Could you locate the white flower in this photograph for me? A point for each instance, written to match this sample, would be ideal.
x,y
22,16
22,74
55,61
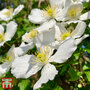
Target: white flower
x,y
28,65
10,31
80,1
73,12
12,54
62,34
7,14
54,11
43,35
8,61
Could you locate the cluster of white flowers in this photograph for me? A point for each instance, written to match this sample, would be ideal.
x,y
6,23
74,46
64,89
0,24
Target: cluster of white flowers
x,y
51,35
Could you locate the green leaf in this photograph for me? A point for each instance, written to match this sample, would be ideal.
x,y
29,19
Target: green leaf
x,y
58,88
86,67
64,69
74,74
88,75
23,84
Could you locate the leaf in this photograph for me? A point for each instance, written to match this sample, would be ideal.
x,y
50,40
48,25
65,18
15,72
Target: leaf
x,y
88,75
86,67
64,69
74,74
58,88
23,84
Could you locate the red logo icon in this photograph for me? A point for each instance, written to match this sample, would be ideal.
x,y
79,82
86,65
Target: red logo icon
x,y
6,83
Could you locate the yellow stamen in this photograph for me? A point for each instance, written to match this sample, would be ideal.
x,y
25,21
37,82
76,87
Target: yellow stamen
x,y
42,56
1,37
73,12
65,35
32,34
8,58
9,12
50,11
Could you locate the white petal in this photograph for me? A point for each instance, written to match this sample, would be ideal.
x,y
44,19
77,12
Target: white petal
x,y
46,26
23,49
37,16
1,29
67,3
11,52
45,38
4,67
18,9
3,16
24,66
2,43
48,73
10,31
80,29
78,41
26,39
85,16
64,51
58,3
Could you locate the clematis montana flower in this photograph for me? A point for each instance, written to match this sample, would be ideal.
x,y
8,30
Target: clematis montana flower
x,y
43,35
73,12
8,61
53,11
12,54
28,65
7,14
62,34
10,31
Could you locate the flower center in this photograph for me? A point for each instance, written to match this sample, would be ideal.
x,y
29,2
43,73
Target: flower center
x,y
43,55
8,58
65,35
1,37
74,12
50,11
32,34
9,12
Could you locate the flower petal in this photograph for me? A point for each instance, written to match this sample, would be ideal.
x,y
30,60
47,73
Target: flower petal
x,y
24,66
11,29
45,38
64,51
18,9
46,26
58,3
78,41
11,52
48,73
85,16
1,29
80,29
21,50
36,16
4,67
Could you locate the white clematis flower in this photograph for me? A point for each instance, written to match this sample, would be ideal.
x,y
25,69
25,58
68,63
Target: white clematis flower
x,y
62,34
7,14
73,12
8,61
10,31
54,11
43,35
28,65
83,1
12,54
